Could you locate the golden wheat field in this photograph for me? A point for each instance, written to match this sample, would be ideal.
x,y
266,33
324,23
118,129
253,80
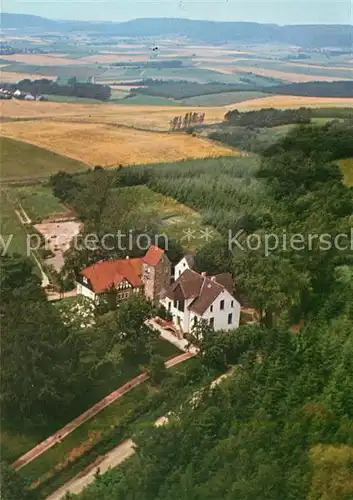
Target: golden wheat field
x,y
155,118
102,144
315,66
44,60
289,101
127,87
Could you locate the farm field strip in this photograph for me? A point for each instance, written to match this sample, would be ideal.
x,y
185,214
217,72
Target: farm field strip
x,y
37,201
287,76
113,58
11,77
222,99
43,59
318,66
156,118
287,101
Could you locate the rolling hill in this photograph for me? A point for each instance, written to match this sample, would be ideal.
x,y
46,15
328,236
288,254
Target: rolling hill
x,y
206,31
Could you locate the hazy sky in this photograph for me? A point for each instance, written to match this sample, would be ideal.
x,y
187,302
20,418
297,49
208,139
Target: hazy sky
x,y
280,11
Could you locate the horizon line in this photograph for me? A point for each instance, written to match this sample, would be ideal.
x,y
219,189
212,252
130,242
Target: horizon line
x,y
169,18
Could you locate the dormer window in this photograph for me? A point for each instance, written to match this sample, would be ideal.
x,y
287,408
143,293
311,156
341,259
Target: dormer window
x,y
85,280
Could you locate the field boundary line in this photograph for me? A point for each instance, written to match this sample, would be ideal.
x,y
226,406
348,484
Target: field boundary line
x,y
2,134
65,431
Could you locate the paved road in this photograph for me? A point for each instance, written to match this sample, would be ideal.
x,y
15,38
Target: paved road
x,y
88,414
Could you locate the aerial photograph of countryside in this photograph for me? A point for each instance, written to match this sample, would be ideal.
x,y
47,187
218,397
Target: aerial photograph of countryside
x,y
176,250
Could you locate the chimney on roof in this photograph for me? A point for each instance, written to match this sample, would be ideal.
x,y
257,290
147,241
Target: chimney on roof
x,y
204,274
127,257
213,278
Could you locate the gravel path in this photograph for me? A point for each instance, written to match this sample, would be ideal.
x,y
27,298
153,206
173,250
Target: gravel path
x,y
87,476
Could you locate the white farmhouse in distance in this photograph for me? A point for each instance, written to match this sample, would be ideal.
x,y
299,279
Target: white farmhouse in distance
x,y
194,297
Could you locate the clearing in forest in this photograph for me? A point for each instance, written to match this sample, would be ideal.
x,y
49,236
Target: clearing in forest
x,y
347,169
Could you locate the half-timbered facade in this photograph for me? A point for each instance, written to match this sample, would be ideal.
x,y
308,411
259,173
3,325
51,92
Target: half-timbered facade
x,y
149,275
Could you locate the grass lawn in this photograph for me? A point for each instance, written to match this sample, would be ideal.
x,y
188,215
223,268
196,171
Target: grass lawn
x,y
171,218
37,201
347,169
11,226
22,160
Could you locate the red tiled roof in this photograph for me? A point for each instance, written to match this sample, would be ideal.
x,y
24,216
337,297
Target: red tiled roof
x,y
153,256
204,290
112,272
226,280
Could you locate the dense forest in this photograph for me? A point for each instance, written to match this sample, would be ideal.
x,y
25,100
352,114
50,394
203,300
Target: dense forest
x,y
266,139
270,117
315,89
73,88
280,427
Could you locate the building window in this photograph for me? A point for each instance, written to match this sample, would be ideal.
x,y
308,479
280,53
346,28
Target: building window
x,y
222,305
195,321
169,306
211,309
212,322
175,304
232,304
181,305
230,318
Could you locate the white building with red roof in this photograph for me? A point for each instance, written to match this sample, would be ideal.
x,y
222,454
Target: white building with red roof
x,y
194,297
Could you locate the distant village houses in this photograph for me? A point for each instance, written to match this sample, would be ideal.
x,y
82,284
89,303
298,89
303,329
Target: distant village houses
x,y
6,93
